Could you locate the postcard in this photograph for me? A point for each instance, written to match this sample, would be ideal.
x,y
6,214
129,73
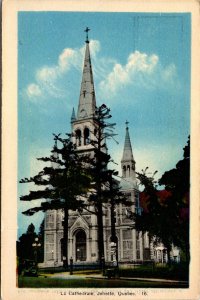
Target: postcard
x,y
100,149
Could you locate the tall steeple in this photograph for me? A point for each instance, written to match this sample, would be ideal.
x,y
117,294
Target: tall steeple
x,y
128,162
73,117
87,100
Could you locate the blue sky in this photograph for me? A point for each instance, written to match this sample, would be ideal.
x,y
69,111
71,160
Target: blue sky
x,y
141,68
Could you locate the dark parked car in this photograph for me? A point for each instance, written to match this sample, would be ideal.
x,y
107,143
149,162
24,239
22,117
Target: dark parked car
x,y
29,268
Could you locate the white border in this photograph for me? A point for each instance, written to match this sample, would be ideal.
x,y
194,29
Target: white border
x,y
9,139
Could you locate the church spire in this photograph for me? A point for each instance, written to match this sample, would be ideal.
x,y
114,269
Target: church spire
x,y
87,100
128,162
73,117
86,30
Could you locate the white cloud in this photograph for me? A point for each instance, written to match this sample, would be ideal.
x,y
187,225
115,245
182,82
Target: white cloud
x,y
95,47
33,90
47,77
141,70
66,57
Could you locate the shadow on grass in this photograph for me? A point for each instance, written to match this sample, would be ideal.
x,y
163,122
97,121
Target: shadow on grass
x,y
48,282
173,272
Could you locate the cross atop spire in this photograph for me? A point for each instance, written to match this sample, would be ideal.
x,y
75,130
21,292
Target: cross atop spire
x,y
86,30
128,162
87,99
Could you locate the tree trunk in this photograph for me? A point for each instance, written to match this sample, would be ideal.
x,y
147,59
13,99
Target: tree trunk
x,y
100,234
112,216
113,229
65,238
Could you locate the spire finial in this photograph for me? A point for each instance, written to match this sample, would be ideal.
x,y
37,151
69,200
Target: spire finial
x,y
86,30
126,124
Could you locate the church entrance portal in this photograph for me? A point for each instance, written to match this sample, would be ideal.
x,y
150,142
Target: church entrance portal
x,y
80,245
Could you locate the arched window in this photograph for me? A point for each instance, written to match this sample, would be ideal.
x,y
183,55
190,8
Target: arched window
x,y
80,245
128,169
78,137
124,171
86,136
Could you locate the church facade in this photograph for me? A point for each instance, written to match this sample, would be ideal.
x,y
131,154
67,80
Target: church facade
x,y
82,235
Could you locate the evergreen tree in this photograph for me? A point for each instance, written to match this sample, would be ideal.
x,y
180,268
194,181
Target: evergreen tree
x,y
99,169
41,241
64,182
24,246
113,196
166,213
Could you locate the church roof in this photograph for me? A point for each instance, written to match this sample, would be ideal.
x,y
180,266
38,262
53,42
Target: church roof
x,y
127,153
87,99
127,184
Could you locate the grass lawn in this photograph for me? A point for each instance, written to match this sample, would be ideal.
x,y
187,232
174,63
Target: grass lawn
x,y
49,282
176,272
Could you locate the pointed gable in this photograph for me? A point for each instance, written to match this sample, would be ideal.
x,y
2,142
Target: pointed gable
x,y
78,222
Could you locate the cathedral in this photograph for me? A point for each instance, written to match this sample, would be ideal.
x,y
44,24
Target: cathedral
x,y
82,234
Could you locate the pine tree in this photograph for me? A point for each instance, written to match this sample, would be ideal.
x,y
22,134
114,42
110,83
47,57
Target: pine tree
x,y
41,241
105,191
65,184
113,196
24,246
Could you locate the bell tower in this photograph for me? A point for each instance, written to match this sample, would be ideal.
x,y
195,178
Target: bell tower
x,y
127,161
83,124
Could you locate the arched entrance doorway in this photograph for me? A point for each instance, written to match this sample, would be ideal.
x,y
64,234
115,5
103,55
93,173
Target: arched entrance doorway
x,y
80,245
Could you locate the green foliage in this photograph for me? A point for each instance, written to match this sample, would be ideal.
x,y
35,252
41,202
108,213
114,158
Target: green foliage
x,y
105,189
166,213
177,182
64,183
24,245
41,240
25,249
